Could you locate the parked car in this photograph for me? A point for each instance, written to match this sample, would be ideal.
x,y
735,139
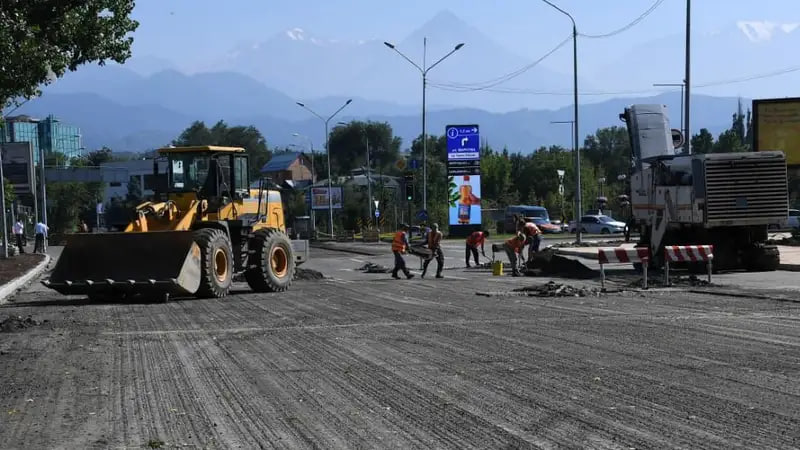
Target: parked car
x,y
601,224
546,226
793,222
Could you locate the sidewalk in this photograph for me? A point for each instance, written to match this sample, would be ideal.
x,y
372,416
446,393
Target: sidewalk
x,y
19,270
790,256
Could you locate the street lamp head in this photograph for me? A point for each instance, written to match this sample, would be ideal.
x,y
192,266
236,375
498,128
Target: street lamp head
x,y
300,104
348,101
296,134
389,45
459,46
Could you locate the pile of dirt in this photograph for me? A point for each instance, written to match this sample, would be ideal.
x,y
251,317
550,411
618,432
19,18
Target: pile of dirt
x,y
374,268
16,323
307,274
690,280
546,262
553,289
18,265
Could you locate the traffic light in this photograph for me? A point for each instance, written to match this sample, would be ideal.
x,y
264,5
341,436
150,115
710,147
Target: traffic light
x,y
409,191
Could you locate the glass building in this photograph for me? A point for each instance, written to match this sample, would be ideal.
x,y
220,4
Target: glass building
x,y
48,135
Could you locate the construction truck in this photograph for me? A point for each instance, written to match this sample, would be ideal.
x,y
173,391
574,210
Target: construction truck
x,y
210,227
724,199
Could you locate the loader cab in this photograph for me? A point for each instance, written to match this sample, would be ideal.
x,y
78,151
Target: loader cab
x,y
209,172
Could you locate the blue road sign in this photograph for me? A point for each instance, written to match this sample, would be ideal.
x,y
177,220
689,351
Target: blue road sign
x,y
377,213
414,164
463,142
422,215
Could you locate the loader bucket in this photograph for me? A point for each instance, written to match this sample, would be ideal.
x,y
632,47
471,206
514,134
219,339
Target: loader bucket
x,y
128,264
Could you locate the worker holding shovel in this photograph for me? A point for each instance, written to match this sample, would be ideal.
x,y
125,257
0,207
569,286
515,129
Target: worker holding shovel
x,y
478,238
513,248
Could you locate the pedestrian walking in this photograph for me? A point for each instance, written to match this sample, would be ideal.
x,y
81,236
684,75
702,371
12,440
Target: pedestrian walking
x,y
83,227
477,238
19,234
533,238
513,247
400,245
435,246
40,245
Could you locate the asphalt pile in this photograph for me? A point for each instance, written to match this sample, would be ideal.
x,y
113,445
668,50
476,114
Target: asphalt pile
x,y
307,274
553,289
547,262
374,268
16,323
690,281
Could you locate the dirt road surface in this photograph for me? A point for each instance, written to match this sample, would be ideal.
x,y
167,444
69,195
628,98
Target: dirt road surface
x,y
363,361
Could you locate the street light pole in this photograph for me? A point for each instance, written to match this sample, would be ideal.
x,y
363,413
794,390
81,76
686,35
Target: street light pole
x,y
578,205
328,149
687,137
681,85
424,71
577,212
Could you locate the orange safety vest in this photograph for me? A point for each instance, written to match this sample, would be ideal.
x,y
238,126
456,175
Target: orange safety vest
x,y
516,244
475,239
531,229
398,243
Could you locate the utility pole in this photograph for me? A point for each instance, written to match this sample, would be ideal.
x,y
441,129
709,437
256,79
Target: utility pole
x,y
687,136
3,197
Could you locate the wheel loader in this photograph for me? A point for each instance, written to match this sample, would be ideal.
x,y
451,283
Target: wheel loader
x,y
211,227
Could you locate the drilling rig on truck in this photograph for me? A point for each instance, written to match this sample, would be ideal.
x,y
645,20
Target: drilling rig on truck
x,y
211,227
727,200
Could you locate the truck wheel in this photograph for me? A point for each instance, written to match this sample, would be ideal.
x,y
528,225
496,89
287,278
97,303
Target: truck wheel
x,y
216,263
271,262
605,231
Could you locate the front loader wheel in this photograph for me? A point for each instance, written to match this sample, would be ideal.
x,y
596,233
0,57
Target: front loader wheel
x,y
271,262
216,263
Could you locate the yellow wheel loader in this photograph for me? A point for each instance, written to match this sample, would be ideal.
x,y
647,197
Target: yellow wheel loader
x,y
211,227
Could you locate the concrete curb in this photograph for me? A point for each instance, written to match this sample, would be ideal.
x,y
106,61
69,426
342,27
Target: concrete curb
x,y
9,289
578,253
789,267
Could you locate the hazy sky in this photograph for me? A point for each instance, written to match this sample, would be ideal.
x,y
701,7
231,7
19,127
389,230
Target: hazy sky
x,y
186,31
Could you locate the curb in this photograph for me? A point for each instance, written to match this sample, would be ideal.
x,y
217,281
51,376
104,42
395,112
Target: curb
x,y
579,254
789,267
10,288
345,250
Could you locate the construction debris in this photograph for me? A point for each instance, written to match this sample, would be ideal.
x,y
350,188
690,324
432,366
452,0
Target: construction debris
x,y
690,280
374,268
553,289
16,323
307,274
547,262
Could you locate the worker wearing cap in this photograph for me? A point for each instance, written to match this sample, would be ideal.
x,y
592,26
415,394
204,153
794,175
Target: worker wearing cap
x,y
478,238
513,247
435,246
533,237
399,246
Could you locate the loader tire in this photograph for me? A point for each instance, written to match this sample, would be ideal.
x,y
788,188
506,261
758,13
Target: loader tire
x,y
216,263
271,262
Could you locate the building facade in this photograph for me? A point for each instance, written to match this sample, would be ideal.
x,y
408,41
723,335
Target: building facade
x,y
291,167
49,135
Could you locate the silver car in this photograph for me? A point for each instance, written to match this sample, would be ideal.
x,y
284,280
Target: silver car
x,y
599,224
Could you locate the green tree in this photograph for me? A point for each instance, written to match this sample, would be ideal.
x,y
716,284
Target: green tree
x,y
98,157
134,190
703,142
40,39
729,141
349,147
9,191
247,137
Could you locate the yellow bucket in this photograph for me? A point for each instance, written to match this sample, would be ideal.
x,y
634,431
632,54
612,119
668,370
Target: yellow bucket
x,y
497,268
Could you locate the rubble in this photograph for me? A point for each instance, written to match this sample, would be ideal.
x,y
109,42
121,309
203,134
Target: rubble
x,y
546,262
690,280
374,268
307,274
553,289
15,323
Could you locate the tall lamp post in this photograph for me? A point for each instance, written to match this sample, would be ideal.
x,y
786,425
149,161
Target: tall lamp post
x,y
578,205
682,85
328,149
573,138
424,71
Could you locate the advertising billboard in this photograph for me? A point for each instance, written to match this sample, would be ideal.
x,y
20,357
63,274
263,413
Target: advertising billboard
x,y
319,197
464,177
18,165
776,126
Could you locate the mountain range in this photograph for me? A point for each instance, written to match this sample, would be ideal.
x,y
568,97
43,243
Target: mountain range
x,y
148,101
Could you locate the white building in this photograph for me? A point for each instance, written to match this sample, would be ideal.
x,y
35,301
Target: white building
x,y
139,168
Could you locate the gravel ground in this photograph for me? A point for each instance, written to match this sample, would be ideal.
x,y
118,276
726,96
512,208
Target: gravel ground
x,y
362,361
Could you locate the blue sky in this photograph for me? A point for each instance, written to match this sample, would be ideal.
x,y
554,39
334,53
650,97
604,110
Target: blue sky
x,y
185,31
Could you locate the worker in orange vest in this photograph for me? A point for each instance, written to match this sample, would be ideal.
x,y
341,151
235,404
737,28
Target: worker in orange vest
x,y
513,247
399,246
435,246
477,238
533,238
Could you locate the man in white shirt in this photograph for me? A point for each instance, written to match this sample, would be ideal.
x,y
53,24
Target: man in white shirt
x,y
40,246
19,230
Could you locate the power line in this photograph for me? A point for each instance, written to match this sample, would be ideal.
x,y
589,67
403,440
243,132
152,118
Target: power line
x,y
483,85
501,90
627,27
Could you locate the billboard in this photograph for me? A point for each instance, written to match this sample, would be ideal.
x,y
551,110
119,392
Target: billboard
x,y
18,165
464,175
319,197
776,126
